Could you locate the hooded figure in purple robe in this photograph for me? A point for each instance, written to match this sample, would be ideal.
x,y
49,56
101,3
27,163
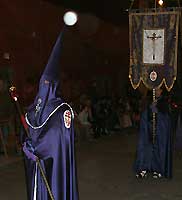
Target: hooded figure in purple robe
x,y
51,130
155,157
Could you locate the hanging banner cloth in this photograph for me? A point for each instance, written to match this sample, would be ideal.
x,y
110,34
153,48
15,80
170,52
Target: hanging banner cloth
x,y
153,47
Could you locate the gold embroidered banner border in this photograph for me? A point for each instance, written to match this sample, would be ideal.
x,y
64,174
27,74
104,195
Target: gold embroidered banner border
x,y
165,72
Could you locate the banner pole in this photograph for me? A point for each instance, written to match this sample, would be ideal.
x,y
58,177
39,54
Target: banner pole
x,y
154,118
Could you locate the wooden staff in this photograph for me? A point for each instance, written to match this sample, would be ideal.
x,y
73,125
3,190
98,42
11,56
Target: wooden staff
x,y
14,96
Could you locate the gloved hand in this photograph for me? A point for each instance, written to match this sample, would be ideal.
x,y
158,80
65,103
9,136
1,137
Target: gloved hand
x,y
29,150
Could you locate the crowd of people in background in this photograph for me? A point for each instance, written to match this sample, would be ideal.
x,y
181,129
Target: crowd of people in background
x,y
105,115
95,116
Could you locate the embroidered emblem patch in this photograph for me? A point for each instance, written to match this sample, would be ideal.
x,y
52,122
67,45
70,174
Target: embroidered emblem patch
x,y
67,118
153,76
38,107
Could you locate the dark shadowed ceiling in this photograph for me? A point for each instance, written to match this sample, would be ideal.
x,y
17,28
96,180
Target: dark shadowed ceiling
x,y
111,11
98,43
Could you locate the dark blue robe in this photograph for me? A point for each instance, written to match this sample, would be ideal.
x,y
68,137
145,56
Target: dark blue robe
x,y
178,140
54,145
155,157
50,125
52,138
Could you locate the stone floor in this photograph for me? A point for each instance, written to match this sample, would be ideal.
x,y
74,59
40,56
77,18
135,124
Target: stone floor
x,y
104,172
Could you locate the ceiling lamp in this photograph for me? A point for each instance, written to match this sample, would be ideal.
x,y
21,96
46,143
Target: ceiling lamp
x,y
70,18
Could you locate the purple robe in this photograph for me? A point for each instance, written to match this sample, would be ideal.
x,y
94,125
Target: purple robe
x,y
178,141
51,132
155,157
54,145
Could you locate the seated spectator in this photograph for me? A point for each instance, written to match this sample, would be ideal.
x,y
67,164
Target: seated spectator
x,y
83,117
102,111
125,114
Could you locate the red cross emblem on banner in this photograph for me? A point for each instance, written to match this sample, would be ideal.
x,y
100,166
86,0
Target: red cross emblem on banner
x,y
67,118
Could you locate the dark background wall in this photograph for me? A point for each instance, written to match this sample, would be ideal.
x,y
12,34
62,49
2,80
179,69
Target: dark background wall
x,y
91,49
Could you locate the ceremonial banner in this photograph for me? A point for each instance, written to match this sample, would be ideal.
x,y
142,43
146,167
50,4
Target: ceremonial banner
x,y
153,47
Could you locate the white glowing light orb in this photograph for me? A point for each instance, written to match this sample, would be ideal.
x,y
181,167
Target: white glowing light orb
x,y
70,18
160,2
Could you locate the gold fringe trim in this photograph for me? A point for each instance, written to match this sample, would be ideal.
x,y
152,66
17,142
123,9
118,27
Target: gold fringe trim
x,y
135,86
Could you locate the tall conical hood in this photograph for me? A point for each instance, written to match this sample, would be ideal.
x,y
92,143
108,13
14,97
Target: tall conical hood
x,y
52,69
48,97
